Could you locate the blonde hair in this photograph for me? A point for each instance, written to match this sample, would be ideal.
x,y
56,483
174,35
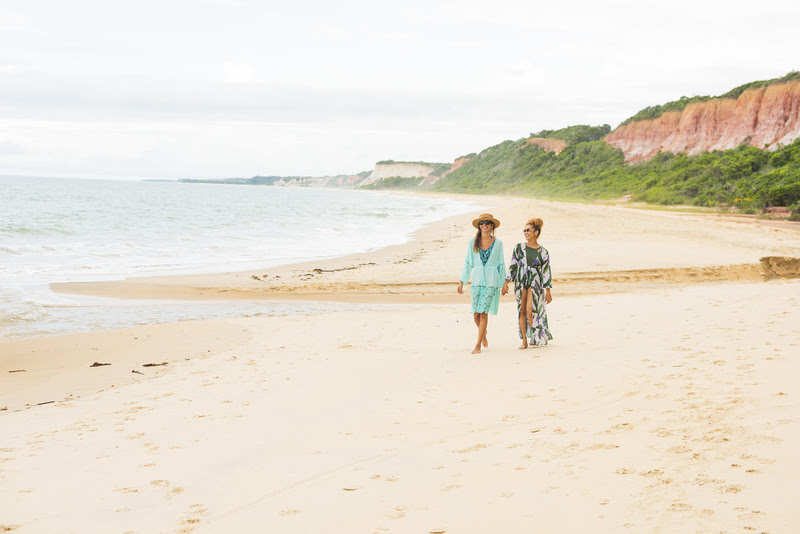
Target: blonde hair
x,y
537,224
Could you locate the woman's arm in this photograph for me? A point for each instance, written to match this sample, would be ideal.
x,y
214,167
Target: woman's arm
x,y
513,267
466,271
508,273
501,264
547,279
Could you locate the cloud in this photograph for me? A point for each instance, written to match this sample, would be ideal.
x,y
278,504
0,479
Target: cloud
x,y
163,90
237,72
9,148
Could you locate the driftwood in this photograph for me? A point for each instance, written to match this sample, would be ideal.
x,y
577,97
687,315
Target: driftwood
x,y
155,364
98,364
18,371
137,372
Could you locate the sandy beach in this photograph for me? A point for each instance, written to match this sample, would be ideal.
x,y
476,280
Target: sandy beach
x,y
667,402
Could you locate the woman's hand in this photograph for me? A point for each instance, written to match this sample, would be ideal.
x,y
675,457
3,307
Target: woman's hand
x,y
460,288
548,298
504,291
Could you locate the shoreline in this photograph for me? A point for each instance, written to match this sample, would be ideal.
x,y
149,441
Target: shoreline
x,y
367,277
668,399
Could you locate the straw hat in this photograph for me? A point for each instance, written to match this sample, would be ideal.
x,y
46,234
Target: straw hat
x,y
485,217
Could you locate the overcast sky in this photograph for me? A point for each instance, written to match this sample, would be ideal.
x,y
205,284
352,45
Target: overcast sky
x,y
215,88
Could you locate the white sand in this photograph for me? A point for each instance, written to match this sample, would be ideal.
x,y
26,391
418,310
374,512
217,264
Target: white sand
x,y
669,407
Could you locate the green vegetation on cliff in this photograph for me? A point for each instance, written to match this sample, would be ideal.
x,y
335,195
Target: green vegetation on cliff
x,y
746,177
580,133
737,92
653,112
395,182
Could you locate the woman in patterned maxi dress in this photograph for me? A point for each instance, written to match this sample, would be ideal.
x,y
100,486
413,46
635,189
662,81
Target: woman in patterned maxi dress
x,y
530,272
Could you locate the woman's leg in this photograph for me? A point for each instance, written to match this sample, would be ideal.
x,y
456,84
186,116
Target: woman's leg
x,y
529,305
482,320
523,324
477,317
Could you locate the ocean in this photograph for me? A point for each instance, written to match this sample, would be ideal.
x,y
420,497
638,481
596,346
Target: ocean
x,y
63,230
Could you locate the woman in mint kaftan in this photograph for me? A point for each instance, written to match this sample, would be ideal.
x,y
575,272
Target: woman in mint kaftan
x,y
485,265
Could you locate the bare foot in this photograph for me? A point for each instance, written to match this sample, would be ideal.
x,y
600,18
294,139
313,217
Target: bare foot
x,y
476,350
485,342
523,346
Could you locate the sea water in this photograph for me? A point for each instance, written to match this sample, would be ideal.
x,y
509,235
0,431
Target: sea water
x,y
65,230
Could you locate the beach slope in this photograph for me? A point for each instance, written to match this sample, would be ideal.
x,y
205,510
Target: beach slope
x,y
666,402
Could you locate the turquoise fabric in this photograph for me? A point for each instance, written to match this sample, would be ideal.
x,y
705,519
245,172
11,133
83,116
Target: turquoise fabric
x,y
484,254
492,274
487,275
485,299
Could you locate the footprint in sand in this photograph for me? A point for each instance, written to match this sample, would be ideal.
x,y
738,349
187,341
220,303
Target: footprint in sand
x,y
680,507
192,519
602,446
398,513
621,427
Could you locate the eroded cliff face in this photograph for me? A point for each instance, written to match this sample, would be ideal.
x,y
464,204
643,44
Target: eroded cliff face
x,y
553,145
320,181
430,179
760,117
402,170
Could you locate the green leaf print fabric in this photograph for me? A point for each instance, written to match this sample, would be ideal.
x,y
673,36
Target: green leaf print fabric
x,y
535,275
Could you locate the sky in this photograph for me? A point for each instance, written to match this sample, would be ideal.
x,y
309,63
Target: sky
x,y
235,88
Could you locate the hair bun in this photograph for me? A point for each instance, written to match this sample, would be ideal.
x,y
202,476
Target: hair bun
x,y
536,221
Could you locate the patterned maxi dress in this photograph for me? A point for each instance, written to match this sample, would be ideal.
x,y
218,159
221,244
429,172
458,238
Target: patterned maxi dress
x,y
535,275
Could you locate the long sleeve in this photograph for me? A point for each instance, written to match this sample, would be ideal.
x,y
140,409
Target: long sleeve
x,y
547,280
516,263
466,272
501,265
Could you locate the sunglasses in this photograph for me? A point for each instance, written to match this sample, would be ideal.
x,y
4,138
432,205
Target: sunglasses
x,y
530,229
484,222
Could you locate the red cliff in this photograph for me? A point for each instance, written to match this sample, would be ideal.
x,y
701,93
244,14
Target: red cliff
x,y
547,143
760,117
430,179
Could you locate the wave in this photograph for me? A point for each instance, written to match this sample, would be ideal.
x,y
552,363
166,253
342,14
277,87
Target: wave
x,y
23,311
75,231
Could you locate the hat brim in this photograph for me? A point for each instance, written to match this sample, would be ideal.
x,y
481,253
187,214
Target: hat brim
x,y
491,219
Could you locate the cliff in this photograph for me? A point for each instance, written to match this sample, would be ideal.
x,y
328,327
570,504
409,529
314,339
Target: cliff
x,y
548,143
760,117
432,178
398,170
343,181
